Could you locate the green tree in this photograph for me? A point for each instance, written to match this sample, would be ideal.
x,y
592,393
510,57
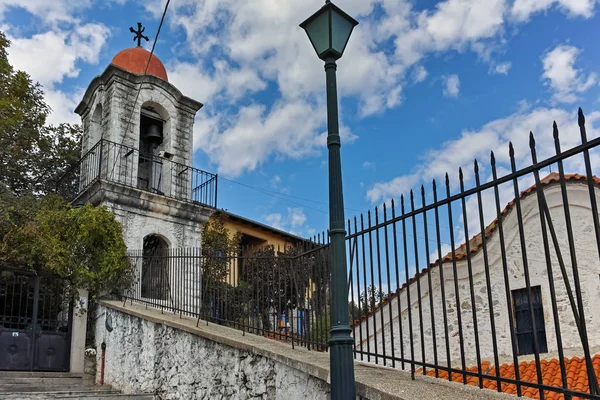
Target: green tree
x,y
221,297
32,155
219,248
370,298
83,245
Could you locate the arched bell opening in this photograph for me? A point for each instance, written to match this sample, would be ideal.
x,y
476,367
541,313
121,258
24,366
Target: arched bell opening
x,y
154,141
155,268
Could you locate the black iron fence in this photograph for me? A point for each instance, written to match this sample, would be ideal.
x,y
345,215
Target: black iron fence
x,y
278,293
124,165
491,280
512,308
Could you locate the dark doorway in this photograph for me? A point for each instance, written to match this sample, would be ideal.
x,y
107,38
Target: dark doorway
x,y
155,268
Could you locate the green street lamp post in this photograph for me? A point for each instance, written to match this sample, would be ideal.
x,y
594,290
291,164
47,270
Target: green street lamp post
x,y
329,30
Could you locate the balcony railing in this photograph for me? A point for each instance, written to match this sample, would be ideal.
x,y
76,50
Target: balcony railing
x,y
127,166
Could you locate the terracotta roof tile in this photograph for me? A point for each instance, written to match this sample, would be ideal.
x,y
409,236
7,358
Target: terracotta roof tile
x,y
575,367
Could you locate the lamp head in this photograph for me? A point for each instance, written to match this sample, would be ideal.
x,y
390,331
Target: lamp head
x,y
329,30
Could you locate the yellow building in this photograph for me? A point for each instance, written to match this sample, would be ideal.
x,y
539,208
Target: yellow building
x,y
254,234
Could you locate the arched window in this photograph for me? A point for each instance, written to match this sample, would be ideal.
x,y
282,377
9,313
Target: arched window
x,y
153,139
95,132
155,268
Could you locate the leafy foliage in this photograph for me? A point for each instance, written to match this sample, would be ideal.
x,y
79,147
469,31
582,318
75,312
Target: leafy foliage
x,y
218,246
32,155
84,245
370,297
39,230
286,281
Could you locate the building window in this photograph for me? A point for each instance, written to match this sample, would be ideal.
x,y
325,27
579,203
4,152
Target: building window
x,y
523,325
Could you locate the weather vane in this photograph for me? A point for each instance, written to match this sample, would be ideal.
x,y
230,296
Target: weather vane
x,y
139,34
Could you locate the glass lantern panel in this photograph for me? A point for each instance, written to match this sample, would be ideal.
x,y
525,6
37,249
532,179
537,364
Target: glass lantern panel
x,y
341,29
318,32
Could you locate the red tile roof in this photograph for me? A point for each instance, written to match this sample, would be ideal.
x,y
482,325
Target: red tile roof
x,y
135,60
576,371
476,244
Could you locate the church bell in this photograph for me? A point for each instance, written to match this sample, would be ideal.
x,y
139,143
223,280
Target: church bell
x,y
153,136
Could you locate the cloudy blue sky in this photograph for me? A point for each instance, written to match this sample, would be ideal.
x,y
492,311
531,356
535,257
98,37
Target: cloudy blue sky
x,y
426,86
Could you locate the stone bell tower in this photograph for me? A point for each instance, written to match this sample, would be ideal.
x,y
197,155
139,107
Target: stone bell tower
x,y
137,153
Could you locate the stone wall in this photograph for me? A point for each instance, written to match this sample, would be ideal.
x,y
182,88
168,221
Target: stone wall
x,y
144,356
173,358
138,223
115,91
369,335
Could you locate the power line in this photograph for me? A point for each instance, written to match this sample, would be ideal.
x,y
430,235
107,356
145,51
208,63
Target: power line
x,y
162,20
278,195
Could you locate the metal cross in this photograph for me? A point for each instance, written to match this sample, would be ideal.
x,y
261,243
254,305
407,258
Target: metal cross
x,y
139,34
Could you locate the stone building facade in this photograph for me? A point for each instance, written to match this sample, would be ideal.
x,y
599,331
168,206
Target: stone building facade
x,y
119,110
136,160
376,335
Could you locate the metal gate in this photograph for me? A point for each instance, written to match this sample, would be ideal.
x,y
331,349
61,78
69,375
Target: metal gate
x,y
35,322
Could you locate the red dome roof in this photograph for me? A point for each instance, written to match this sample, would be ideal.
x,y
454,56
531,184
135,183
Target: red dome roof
x,y
134,60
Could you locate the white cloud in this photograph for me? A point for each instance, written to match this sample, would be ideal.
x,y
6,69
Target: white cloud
x,y
54,55
297,217
419,74
382,191
260,43
55,12
275,181
522,10
477,144
451,85
51,56
500,69
219,81
452,25
50,11
293,221
275,220
288,129
62,105
561,76
368,165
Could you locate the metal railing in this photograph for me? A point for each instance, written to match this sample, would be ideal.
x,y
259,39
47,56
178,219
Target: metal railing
x,y
283,295
512,308
117,163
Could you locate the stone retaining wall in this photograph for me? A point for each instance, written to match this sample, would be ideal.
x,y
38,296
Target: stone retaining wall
x,y
168,356
145,357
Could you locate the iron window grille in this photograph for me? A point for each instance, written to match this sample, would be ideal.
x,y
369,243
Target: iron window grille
x,y
523,326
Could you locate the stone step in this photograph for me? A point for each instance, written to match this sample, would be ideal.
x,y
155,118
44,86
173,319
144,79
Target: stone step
x,y
52,385
35,381
52,388
74,395
27,374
